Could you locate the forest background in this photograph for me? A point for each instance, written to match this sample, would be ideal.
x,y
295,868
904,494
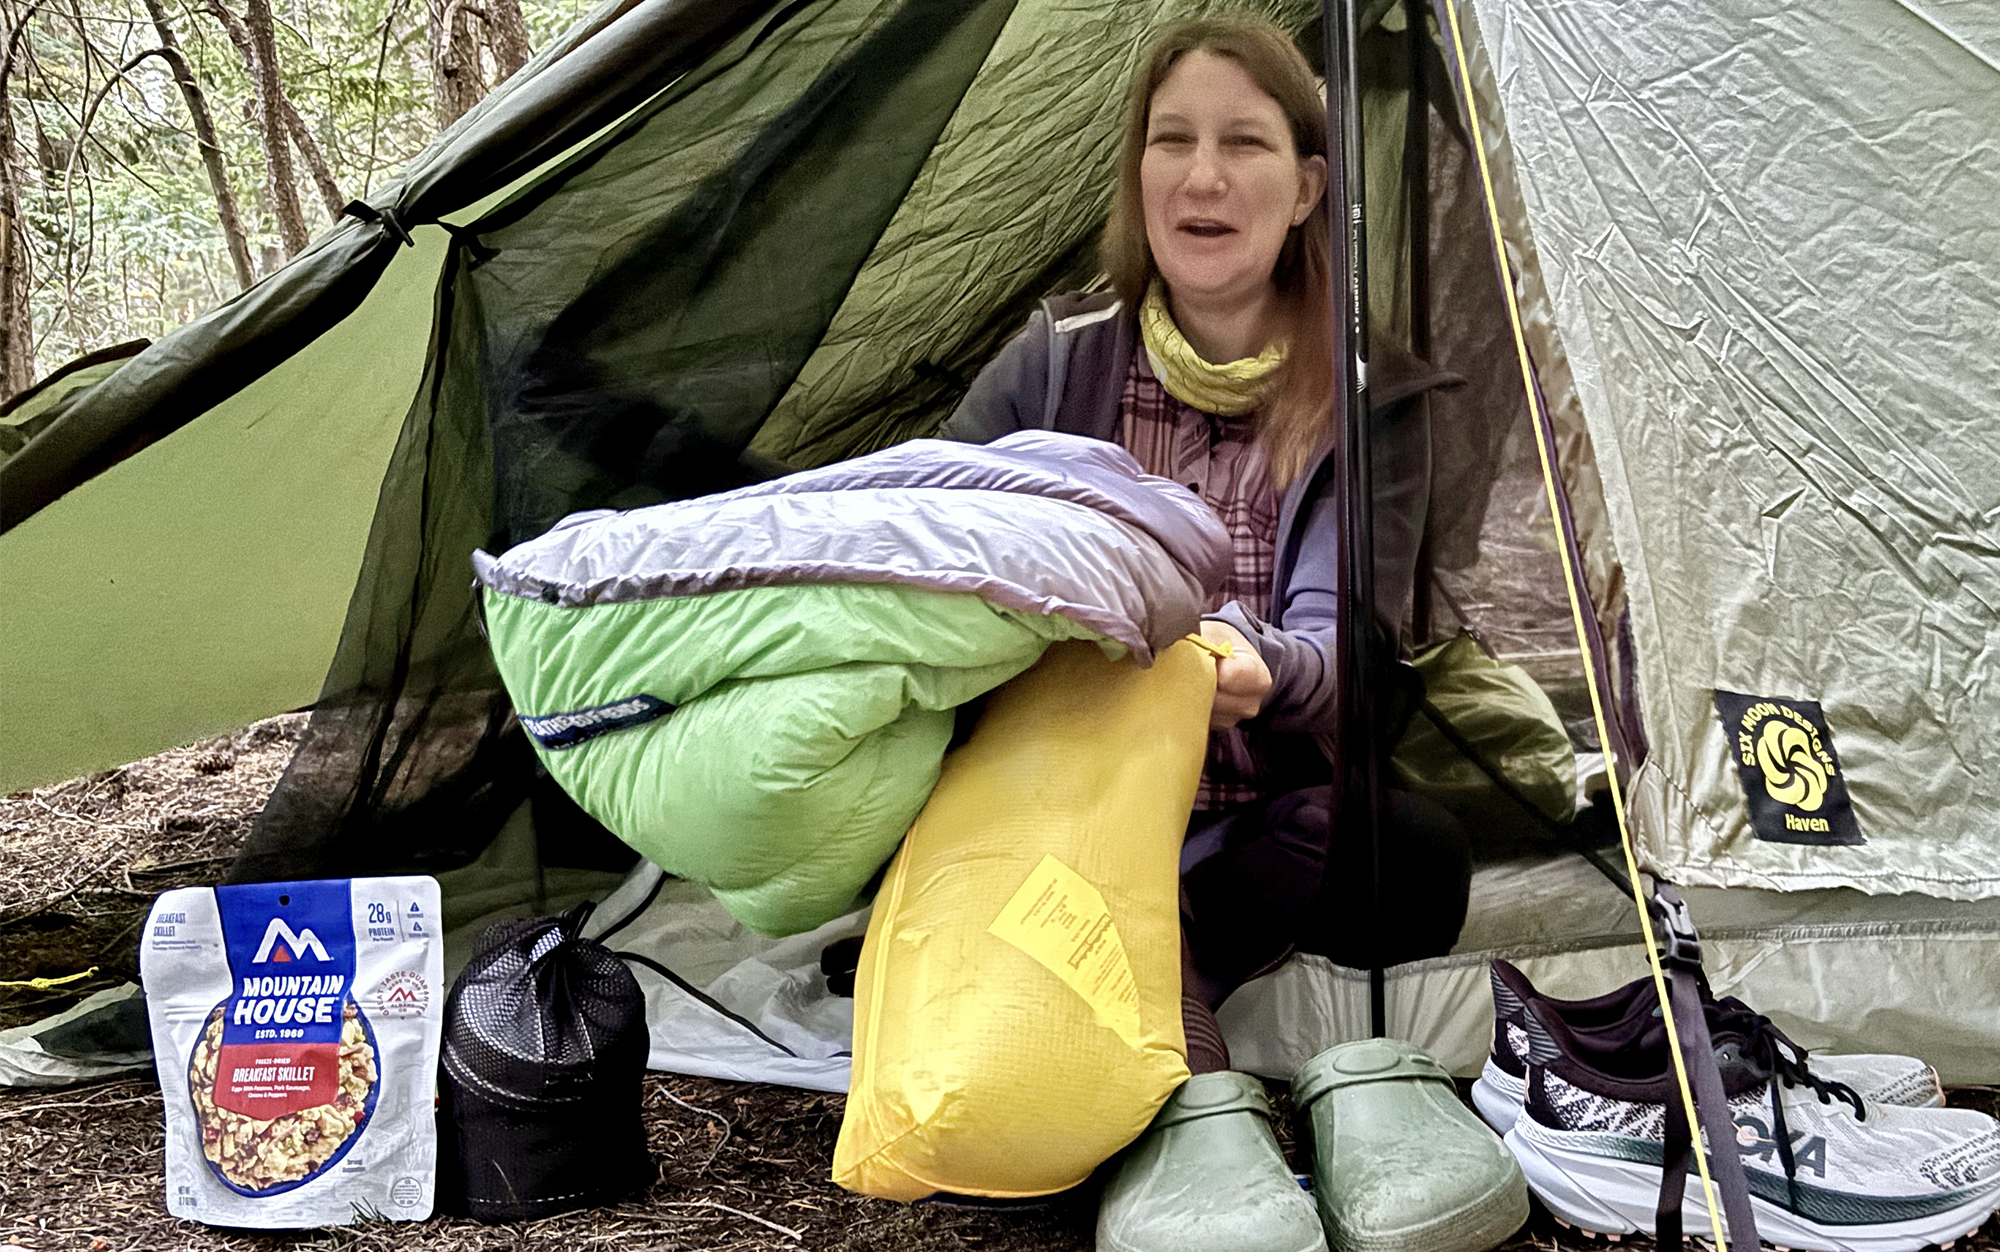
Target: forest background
x,y
159,156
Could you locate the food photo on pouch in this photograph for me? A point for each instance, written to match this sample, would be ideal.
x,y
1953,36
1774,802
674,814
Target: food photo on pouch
x,y
1311,626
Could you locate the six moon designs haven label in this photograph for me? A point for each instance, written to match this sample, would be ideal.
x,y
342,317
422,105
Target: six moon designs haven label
x,y
1791,775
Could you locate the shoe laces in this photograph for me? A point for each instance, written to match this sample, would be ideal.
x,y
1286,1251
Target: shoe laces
x,y
1772,1050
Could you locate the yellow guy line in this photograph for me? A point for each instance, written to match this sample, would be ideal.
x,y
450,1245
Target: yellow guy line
x,y
47,984
1571,582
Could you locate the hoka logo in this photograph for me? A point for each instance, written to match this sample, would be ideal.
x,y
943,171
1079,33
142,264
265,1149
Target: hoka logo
x,y
1808,1152
282,944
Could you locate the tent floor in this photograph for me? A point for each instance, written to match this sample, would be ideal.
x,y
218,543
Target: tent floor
x,y
1811,960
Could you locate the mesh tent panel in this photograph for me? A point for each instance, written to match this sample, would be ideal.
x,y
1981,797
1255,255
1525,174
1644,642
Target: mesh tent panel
x,y
550,347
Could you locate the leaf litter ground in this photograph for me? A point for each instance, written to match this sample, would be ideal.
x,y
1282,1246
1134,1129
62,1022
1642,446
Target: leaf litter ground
x,y
739,1166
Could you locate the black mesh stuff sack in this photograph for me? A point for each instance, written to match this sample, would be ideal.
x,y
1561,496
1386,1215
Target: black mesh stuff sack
x,y
544,1046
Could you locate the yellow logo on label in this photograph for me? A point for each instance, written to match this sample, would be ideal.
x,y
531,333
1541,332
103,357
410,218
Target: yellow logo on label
x,y
1791,774
1785,746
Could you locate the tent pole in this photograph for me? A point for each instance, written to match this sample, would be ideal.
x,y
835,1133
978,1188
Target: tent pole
x,y
1356,771
1417,175
1417,199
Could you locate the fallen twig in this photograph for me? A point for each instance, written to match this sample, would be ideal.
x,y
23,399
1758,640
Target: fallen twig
x,y
786,1231
83,1104
727,1130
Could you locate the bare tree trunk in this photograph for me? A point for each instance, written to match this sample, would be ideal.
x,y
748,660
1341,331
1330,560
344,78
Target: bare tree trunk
x,y
211,151
302,139
456,75
271,120
507,36
17,331
295,126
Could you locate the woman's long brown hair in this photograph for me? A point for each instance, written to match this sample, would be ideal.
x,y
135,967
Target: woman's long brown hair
x,y
1294,419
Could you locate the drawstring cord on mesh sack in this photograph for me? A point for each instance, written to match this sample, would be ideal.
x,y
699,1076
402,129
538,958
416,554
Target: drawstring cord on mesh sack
x,y
568,927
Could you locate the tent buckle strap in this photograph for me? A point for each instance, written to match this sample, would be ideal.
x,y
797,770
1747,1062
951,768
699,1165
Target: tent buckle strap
x,y
385,218
1680,944
1680,960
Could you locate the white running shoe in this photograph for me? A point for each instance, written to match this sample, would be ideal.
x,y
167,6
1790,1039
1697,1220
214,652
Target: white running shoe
x,y
1629,1018
1827,1170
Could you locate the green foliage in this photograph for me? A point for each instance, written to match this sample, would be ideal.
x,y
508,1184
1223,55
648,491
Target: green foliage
x,y
120,220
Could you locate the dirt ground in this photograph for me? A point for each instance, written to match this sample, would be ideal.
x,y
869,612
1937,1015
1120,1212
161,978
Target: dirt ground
x,y
84,858
739,1166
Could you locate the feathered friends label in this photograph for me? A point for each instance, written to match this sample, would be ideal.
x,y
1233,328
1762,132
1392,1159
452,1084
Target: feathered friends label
x,y
555,731
1792,781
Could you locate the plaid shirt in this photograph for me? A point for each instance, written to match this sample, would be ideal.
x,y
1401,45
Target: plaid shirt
x,y
1220,460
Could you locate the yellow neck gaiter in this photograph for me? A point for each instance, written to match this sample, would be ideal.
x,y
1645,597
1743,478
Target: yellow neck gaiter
x,y
1231,389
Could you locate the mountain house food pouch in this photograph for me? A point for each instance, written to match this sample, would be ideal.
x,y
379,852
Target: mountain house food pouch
x,y
295,1026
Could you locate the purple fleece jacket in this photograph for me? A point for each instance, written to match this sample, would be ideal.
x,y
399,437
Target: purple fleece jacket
x,y
1067,371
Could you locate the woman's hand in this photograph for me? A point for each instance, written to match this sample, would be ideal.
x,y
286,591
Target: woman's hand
x,y
1242,682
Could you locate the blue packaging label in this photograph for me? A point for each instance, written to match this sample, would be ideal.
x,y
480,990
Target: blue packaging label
x,y
290,948
565,730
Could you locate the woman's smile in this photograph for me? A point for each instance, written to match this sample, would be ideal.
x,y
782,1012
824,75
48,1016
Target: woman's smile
x,y
1206,228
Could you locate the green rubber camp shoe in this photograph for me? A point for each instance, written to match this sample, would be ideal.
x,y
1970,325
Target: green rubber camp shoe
x,y
1399,1164
1207,1176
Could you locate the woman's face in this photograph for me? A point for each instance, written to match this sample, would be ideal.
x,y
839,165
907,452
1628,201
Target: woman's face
x,y
1221,180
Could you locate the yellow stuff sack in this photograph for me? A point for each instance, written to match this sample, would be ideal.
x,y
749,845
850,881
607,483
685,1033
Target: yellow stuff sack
x,y
1017,1013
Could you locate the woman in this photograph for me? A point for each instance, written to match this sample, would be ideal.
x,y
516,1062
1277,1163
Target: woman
x,y
1210,361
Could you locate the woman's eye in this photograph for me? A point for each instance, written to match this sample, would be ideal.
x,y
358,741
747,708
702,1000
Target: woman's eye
x,y
1170,138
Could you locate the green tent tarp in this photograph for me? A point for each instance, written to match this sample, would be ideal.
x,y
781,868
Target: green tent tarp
x,y
694,243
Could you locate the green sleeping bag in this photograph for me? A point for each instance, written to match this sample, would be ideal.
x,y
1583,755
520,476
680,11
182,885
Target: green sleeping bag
x,y
825,709
756,689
